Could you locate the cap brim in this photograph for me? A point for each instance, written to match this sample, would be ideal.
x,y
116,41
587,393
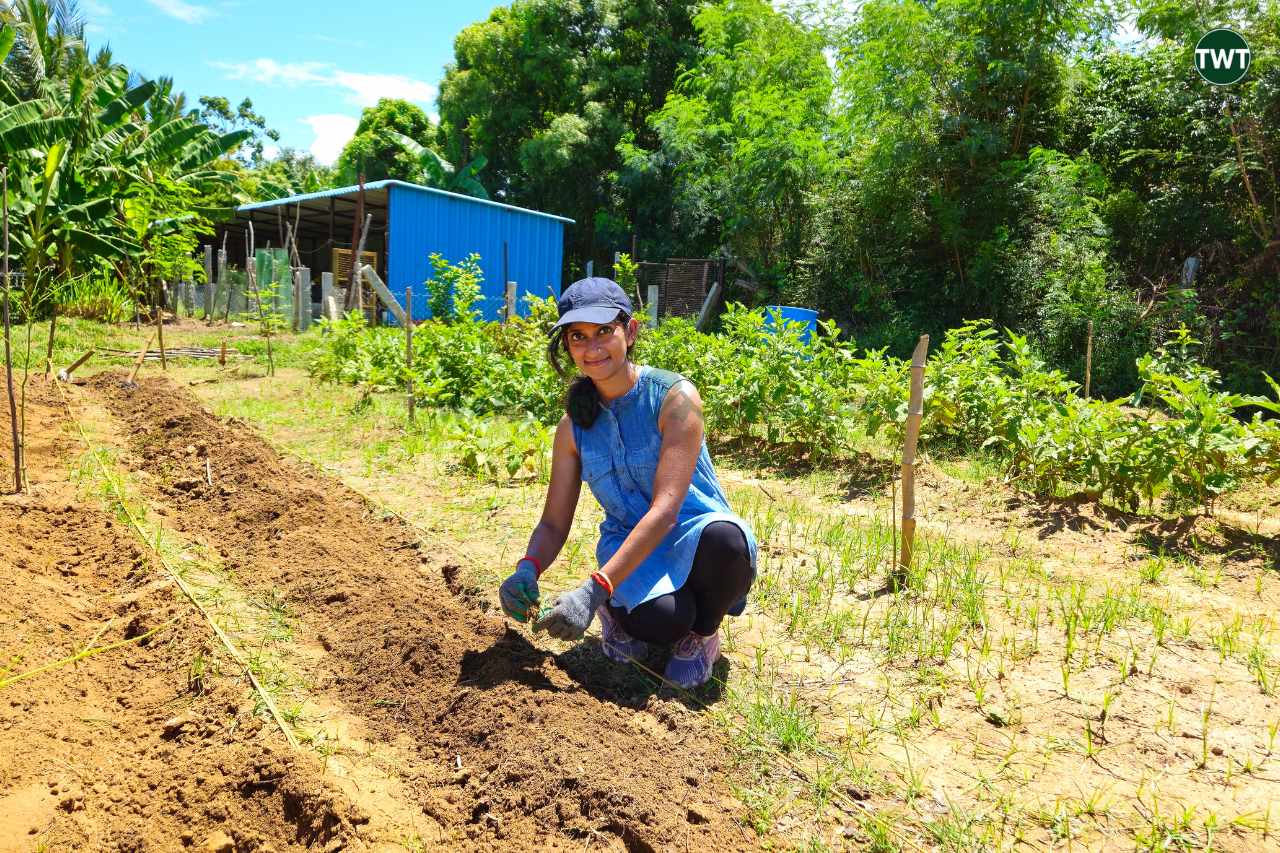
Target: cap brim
x,y
597,314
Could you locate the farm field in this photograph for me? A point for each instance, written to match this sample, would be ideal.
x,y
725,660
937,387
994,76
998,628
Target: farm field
x,y
1055,674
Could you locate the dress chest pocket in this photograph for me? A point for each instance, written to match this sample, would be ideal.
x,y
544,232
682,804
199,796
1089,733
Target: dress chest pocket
x,y
596,468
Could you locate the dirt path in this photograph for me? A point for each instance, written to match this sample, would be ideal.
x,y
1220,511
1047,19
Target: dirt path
x,y
129,749
513,746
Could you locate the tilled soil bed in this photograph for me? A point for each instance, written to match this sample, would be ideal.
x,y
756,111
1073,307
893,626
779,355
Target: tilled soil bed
x,y
124,750
514,747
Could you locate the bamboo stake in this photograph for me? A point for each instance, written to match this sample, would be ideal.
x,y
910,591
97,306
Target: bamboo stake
x,y
137,365
408,347
164,362
1088,360
53,330
87,652
355,298
915,411
8,353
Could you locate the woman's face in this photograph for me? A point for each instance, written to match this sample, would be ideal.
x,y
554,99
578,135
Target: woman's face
x,y
600,350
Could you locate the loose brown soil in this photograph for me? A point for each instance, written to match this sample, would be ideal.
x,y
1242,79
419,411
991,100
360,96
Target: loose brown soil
x,y
514,747
122,750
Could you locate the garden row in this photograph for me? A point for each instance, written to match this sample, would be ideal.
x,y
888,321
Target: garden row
x,y
1180,436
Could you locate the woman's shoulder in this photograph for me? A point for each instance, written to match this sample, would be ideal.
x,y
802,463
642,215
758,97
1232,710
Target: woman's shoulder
x,y
662,380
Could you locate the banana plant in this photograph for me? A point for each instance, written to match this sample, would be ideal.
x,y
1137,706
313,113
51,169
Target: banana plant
x,y
441,174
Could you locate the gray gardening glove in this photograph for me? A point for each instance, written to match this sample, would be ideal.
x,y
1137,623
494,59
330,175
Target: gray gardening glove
x,y
519,593
572,611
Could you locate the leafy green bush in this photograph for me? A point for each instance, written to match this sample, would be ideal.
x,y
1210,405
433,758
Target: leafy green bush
x,y
454,289
770,391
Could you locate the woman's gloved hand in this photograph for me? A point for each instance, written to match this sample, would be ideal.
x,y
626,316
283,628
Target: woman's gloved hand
x,y
572,611
519,593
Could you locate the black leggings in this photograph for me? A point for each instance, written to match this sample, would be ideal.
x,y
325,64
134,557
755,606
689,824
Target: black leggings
x,y
720,577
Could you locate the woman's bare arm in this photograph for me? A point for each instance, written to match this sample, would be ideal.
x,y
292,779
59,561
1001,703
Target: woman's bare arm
x,y
562,497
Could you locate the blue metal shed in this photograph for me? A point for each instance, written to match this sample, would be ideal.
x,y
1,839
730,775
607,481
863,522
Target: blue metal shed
x,y
409,223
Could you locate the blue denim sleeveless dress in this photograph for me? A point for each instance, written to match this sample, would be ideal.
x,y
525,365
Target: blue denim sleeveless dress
x,y
619,458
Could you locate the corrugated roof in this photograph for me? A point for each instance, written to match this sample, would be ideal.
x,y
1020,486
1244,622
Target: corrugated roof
x,y
383,184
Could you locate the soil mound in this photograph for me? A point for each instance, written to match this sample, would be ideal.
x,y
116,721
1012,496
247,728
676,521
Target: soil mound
x,y
516,748
131,749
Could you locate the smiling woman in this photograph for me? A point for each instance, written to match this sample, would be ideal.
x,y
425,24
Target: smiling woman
x,y
674,559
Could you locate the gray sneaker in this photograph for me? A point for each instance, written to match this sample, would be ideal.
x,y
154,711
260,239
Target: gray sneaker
x,y
616,643
693,659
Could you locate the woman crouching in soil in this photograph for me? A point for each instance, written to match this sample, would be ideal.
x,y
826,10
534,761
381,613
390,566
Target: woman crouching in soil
x,y
673,558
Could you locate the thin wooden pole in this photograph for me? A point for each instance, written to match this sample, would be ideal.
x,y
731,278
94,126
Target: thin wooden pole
x,y
53,331
8,353
356,302
164,362
915,412
1088,360
408,347
137,365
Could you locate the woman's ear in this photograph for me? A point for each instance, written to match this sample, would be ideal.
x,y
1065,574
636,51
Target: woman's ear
x,y
633,330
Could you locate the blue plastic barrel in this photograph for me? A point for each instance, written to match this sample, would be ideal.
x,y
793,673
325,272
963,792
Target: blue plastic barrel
x,y
792,314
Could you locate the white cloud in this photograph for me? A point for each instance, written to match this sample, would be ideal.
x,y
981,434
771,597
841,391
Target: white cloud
x,y
191,13
363,90
331,133
270,152
95,9
367,88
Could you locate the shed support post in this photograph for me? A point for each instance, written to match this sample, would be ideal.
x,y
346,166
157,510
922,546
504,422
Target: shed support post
x,y
653,306
302,299
328,302
510,304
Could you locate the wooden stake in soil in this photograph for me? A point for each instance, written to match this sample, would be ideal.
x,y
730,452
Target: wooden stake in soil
x,y
408,346
53,330
915,411
1088,360
8,353
164,362
137,365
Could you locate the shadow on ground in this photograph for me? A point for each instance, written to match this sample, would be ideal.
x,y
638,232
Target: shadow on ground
x,y
514,658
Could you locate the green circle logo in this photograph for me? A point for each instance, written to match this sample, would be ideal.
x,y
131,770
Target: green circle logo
x,y
1222,57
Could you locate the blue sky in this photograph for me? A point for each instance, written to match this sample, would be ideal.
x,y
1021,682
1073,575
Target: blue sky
x,y
308,66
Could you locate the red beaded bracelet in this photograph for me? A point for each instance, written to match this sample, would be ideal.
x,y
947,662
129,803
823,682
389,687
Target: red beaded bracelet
x,y
599,578
537,566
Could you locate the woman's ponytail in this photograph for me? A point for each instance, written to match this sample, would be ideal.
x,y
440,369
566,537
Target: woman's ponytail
x,y
583,402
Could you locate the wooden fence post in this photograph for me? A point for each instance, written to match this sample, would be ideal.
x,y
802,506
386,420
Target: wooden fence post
x,y
915,411
653,306
510,310
408,347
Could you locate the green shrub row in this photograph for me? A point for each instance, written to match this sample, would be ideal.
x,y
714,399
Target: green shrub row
x,y
766,389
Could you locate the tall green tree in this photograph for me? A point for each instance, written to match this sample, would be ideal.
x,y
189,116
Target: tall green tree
x,y
376,150
545,90
746,132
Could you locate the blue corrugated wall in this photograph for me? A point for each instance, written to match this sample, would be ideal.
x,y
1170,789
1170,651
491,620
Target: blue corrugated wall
x,y
423,222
